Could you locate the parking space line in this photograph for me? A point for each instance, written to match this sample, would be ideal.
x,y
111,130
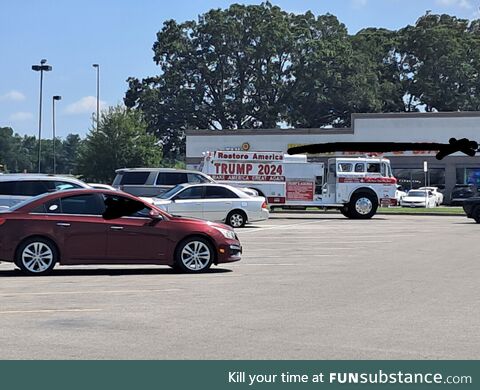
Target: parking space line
x,y
282,226
89,292
47,311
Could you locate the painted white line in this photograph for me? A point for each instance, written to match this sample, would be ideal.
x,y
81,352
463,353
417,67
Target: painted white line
x,y
331,242
48,311
280,226
89,292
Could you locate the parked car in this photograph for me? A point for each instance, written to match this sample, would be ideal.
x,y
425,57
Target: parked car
x,y
461,192
215,202
436,192
151,182
106,227
399,194
471,206
99,186
419,198
15,188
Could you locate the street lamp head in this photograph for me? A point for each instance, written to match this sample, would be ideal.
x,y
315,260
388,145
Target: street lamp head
x,y
44,61
57,97
95,65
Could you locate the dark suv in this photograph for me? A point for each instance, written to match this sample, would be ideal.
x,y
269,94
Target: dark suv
x,y
461,192
471,206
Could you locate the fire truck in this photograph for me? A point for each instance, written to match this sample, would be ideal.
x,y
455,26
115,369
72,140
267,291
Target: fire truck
x,y
354,185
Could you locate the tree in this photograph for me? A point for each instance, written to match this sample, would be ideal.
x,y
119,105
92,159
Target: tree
x,y
226,71
441,60
120,141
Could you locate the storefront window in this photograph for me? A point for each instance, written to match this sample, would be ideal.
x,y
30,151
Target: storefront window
x,y
414,178
468,176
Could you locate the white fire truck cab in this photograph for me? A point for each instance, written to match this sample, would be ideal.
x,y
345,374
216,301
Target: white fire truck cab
x,y
354,185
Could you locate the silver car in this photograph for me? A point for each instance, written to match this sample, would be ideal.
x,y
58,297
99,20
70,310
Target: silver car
x,y
17,187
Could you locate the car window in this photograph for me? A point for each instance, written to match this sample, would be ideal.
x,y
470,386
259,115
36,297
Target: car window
x,y
117,206
50,207
30,187
195,178
82,204
214,192
373,167
7,187
63,185
191,193
359,167
171,178
345,167
171,192
134,178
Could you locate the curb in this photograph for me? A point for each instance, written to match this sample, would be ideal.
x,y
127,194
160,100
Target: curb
x,y
272,214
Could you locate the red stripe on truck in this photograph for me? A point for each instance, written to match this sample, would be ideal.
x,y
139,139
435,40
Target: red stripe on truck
x,y
370,180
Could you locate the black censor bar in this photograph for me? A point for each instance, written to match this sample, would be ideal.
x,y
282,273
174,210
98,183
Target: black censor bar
x,y
463,145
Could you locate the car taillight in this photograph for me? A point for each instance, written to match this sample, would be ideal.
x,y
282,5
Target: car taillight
x,y
264,205
2,221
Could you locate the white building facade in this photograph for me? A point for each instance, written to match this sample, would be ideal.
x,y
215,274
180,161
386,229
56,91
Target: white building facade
x,y
392,127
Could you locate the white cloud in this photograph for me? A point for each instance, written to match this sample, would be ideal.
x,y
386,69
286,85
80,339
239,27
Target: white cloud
x,y
464,4
359,3
86,105
21,116
14,96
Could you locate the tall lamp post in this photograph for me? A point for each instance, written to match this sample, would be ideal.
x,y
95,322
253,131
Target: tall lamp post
x,y
54,98
43,67
97,66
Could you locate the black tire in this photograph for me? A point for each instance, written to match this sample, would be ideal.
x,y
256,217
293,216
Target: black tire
x,y
476,214
345,212
36,256
236,219
185,260
363,205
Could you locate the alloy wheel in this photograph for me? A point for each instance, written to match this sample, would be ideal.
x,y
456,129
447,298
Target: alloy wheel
x,y
236,220
37,257
196,255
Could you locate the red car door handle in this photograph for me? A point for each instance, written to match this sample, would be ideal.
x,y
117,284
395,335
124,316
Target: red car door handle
x,y
116,227
63,224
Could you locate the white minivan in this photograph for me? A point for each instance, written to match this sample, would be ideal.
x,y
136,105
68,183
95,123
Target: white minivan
x,y
17,187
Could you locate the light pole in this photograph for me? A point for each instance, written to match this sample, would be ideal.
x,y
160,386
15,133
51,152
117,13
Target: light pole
x,y
97,66
40,68
54,98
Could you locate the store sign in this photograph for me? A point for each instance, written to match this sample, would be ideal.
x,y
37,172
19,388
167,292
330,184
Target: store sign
x,y
247,156
300,190
247,171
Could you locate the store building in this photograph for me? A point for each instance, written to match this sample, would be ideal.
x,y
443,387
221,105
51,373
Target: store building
x,y
392,127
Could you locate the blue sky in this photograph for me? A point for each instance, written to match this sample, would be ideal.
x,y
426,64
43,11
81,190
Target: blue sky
x,y
119,35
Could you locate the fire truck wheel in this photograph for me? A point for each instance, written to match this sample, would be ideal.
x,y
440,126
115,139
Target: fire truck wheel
x,y
344,211
236,219
362,206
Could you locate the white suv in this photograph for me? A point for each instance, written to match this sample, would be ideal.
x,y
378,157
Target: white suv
x,y
15,188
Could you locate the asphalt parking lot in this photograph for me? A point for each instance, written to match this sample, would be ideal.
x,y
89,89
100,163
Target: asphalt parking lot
x,y
309,287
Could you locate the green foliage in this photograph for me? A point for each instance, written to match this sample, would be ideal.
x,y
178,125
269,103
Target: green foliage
x,y
258,66
120,141
441,59
20,154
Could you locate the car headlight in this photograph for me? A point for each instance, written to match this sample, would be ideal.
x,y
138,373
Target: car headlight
x,y
226,233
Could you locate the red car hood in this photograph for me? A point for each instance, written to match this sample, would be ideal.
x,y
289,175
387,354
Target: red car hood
x,y
201,222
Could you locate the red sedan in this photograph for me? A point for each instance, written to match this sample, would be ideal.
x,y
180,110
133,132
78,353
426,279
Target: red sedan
x,y
106,227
